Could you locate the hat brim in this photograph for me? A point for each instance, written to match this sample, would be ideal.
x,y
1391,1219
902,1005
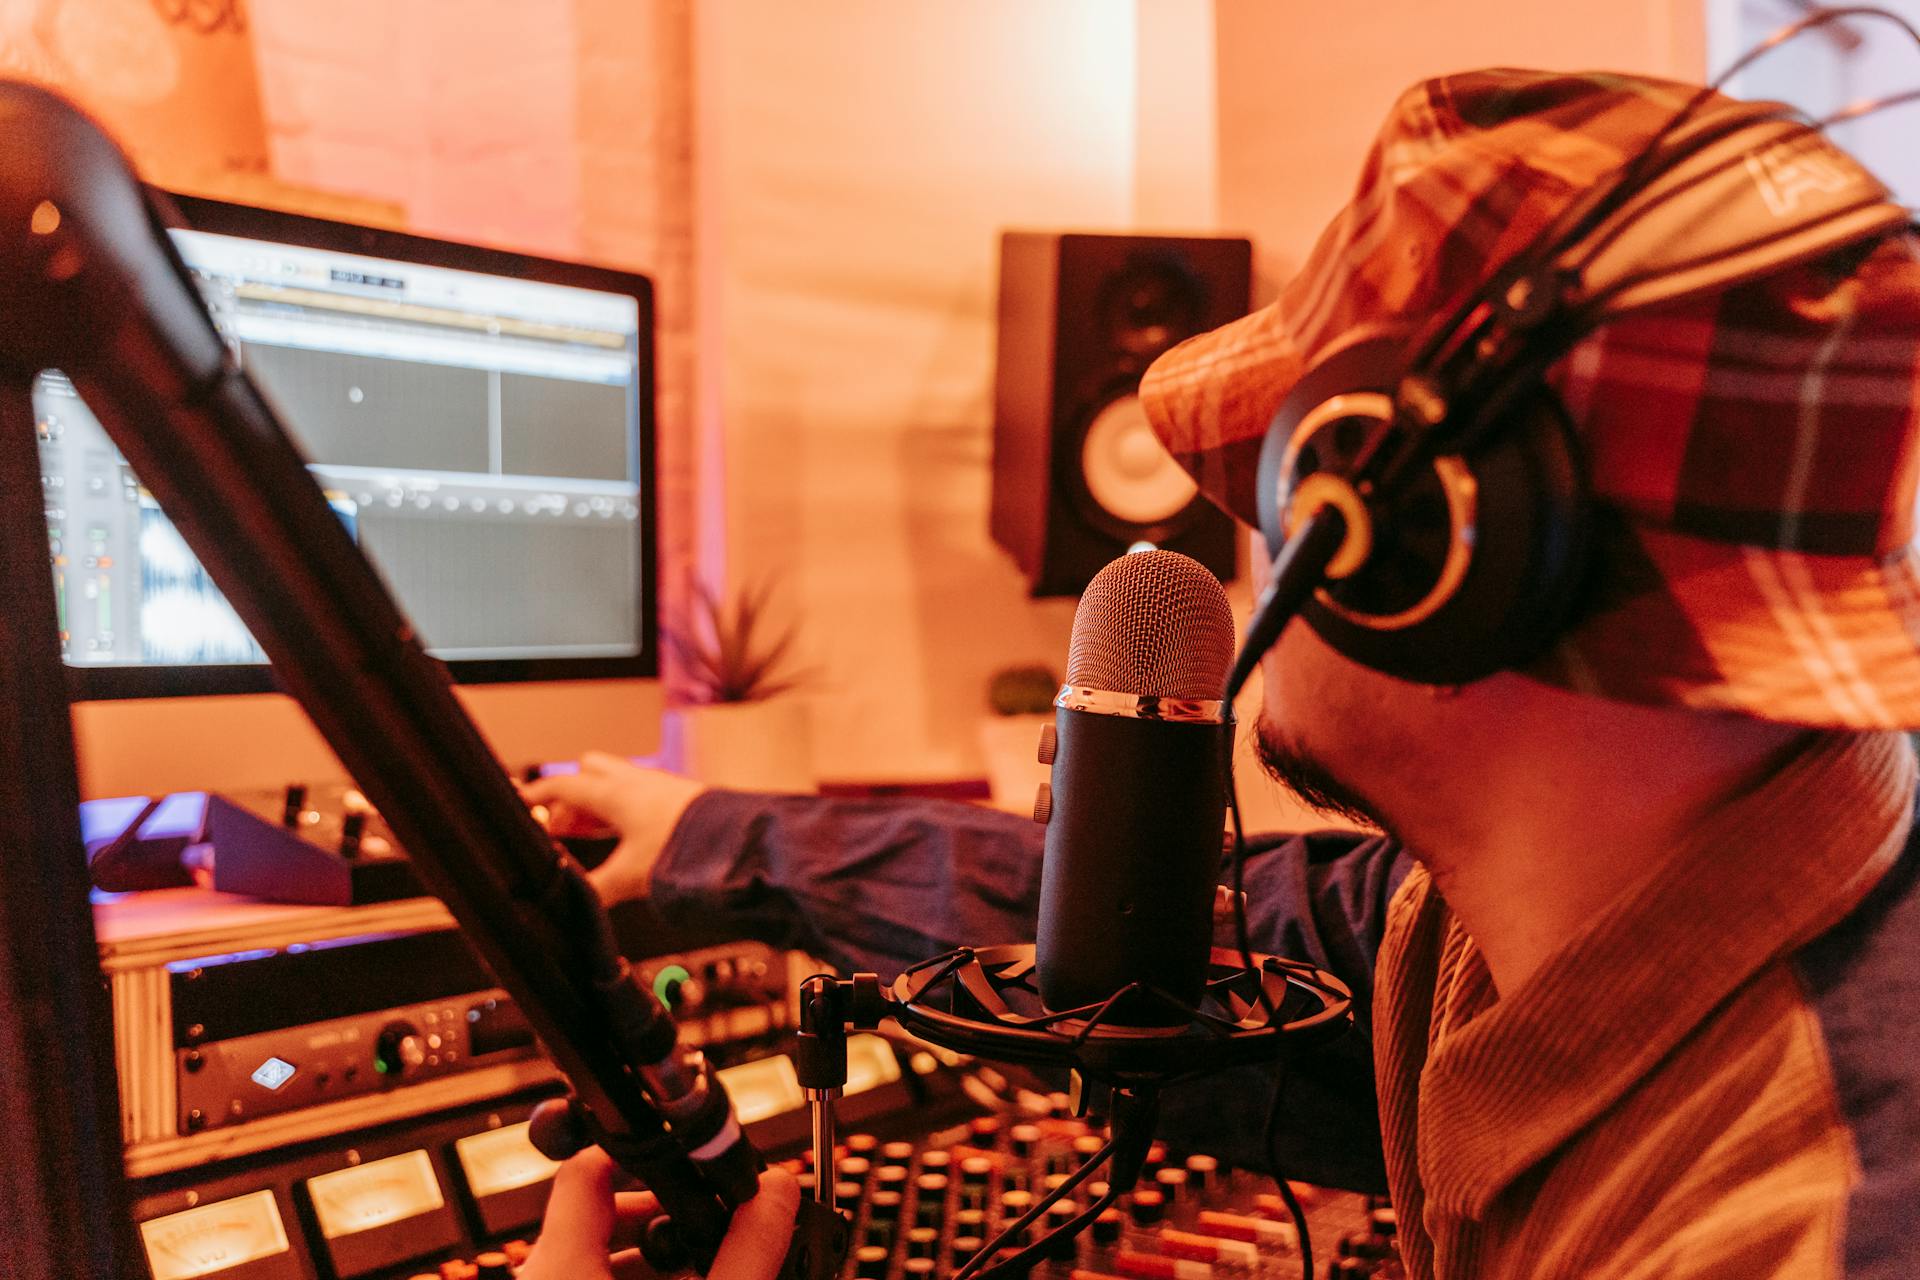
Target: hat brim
x,y
1211,399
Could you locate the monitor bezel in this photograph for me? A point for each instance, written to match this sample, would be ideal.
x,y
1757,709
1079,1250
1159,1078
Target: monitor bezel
x,y
219,217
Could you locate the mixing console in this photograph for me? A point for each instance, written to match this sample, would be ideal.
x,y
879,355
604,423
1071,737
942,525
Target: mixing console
x,y
922,1210
286,1118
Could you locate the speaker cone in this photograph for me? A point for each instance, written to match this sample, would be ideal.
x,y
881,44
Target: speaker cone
x,y
1128,474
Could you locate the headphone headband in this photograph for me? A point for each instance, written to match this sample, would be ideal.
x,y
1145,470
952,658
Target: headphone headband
x,y
1747,192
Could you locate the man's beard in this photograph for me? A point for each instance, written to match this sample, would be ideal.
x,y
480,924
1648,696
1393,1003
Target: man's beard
x,y
1304,774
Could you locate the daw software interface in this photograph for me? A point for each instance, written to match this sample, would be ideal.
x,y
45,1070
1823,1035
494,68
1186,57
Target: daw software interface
x,y
480,436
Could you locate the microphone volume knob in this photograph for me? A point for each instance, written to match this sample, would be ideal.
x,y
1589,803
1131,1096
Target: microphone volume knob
x,y
1049,743
1043,804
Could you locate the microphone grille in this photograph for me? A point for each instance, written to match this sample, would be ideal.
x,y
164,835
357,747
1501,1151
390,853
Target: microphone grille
x,y
1153,623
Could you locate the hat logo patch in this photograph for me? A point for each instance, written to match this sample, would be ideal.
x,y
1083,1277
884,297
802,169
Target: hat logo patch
x,y
1786,173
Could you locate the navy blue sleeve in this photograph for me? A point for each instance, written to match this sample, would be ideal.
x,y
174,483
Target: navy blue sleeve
x,y
863,884
1321,898
1863,980
881,884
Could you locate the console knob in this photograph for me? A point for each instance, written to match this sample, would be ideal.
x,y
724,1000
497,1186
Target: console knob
x,y
1049,743
400,1049
353,826
678,990
293,804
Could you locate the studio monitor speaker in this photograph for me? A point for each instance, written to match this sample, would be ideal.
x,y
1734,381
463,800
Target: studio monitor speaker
x,y
1078,476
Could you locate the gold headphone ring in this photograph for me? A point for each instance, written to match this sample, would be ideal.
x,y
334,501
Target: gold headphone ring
x,y
1457,483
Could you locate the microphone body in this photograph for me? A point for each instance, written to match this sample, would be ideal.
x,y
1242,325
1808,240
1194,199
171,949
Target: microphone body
x,y
1143,743
1132,857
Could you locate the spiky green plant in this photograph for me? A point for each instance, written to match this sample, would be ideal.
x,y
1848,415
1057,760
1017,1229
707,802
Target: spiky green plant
x,y
727,651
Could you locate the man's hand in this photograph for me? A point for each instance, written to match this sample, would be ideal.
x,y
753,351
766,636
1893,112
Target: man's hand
x,y
590,1233
641,806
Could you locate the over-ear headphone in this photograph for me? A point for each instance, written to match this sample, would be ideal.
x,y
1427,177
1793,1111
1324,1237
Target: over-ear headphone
x,y
1422,490
1471,565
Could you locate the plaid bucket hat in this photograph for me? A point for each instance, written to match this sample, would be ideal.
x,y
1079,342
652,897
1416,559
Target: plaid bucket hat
x,y
1752,452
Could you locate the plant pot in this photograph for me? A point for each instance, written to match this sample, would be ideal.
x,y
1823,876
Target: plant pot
x,y
742,746
1010,746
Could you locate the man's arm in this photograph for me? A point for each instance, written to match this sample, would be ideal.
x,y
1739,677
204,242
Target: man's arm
x,y
864,884
881,884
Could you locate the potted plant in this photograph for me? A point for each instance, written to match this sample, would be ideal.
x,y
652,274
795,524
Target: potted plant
x,y
1021,702
733,718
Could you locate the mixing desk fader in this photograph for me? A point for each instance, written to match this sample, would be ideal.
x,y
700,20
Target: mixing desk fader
x,y
922,1210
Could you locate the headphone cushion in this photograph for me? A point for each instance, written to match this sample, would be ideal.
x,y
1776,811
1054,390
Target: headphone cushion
x,y
1477,566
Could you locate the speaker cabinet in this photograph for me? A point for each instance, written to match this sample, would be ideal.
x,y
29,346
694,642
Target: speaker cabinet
x,y
1078,476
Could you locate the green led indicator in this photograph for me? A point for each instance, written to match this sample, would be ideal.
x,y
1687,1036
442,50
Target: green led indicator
x,y
670,978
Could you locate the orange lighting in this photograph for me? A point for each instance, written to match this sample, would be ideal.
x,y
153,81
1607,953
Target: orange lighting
x,y
501,1160
214,1237
769,1087
373,1195
870,1064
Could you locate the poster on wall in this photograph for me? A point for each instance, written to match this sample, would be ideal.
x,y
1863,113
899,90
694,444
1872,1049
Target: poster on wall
x,y
174,81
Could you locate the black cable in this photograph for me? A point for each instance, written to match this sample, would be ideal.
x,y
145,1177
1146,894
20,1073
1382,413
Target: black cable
x,y
978,1264
1292,1201
1242,936
1068,1229
1584,217
1297,571
1818,18
1630,183
1871,106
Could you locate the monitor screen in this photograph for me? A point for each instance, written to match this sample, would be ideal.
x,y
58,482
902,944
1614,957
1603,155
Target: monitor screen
x,y
481,422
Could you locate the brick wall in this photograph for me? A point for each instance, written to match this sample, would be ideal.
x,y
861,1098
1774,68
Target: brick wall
x,y
559,128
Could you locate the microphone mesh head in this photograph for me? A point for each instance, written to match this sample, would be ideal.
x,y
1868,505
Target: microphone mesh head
x,y
1154,623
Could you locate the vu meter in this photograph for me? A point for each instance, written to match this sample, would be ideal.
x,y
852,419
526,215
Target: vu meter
x,y
372,1195
214,1237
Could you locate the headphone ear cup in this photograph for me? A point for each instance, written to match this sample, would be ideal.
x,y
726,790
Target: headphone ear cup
x,y
1477,566
1366,366
1525,545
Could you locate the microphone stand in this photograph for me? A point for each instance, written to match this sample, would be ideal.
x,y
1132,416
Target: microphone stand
x,y
91,285
986,1001
831,1007
61,1190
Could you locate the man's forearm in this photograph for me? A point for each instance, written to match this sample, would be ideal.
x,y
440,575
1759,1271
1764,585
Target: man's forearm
x,y
865,884
880,884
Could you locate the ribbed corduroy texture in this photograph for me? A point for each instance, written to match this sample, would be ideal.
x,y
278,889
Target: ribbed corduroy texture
x,y
1655,1101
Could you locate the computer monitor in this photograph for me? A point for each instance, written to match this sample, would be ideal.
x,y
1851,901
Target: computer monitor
x,y
482,422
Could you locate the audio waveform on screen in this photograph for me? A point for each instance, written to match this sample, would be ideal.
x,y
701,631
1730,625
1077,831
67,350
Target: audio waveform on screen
x,y
184,618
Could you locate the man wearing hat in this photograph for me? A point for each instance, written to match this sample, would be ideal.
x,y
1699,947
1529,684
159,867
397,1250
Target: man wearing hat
x,y
1634,962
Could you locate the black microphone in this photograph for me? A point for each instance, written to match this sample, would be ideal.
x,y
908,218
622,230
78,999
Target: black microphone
x,y
1141,748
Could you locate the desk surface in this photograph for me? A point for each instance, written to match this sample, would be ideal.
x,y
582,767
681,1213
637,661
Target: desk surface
x,y
140,929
